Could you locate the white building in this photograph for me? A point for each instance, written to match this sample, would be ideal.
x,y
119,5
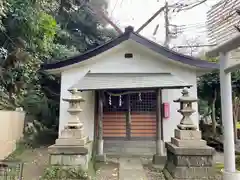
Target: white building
x,y
129,85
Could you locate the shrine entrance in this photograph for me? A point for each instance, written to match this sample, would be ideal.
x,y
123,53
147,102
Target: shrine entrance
x,y
129,115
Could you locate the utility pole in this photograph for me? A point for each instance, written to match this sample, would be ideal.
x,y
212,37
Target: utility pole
x,y
150,19
167,31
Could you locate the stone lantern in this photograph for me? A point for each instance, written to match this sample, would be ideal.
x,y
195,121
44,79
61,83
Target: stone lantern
x,y
74,110
188,156
72,134
186,111
72,148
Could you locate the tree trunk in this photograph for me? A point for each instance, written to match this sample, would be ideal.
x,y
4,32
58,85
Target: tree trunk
x,y
213,109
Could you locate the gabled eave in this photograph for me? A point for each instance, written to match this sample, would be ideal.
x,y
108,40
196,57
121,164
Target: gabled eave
x,y
130,35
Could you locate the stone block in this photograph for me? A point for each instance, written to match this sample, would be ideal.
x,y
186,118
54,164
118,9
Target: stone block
x,y
75,160
188,143
72,133
69,160
188,134
190,161
178,172
56,159
70,150
191,151
71,155
168,176
159,160
100,158
71,142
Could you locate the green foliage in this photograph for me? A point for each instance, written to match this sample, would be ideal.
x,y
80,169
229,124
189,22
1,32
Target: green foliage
x,y
42,31
238,163
61,173
3,10
220,166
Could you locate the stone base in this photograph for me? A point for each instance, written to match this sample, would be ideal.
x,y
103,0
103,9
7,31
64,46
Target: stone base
x,y
194,151
231,175
188,143
188,134
159,160
168,176
67,133
71,141
100,158
71,155
187,163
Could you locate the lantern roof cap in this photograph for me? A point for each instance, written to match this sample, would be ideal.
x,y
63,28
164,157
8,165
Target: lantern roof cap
x,y
185,97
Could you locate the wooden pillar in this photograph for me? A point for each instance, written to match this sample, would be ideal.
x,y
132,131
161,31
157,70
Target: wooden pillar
x,y
128,123
159,139
100,123
159,157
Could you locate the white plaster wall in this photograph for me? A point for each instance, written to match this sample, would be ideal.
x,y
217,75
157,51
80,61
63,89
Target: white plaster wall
x,y
69,78
142,62
168,95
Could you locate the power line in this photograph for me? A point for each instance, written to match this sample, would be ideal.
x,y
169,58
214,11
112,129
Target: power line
x,y
167,31
150,19
121,2
192,27
114,7
102,15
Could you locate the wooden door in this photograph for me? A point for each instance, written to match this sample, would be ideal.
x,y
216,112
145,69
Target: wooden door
x,y
114,117
130,116
143,116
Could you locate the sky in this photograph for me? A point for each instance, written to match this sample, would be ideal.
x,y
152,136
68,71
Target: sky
x,y
136,12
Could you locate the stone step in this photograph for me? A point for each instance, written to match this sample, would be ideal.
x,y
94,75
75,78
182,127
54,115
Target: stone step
x,y
131,169
126,147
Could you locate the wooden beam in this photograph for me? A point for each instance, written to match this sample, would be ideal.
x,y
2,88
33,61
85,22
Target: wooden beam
x,y
159,118
150,19
128,123
100,115
95,115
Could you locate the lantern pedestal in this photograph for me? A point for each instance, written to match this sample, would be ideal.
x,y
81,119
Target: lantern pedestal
x,y
72,148
188,156
71,156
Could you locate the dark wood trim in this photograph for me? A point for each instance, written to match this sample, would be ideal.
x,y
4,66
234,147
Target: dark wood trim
x,y
132,138
138,89
130,35
95,114
128,119
159,117
100,115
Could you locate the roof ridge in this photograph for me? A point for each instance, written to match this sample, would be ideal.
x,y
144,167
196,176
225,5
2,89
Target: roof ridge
x,y
130,34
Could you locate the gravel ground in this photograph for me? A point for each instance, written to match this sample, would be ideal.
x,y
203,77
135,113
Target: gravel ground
x,y
107,171
153,173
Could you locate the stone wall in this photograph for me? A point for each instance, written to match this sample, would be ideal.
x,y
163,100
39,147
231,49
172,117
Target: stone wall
x,y
11,130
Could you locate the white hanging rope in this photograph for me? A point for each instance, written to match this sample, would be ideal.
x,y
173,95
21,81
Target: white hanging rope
x,y
127,92
110,100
